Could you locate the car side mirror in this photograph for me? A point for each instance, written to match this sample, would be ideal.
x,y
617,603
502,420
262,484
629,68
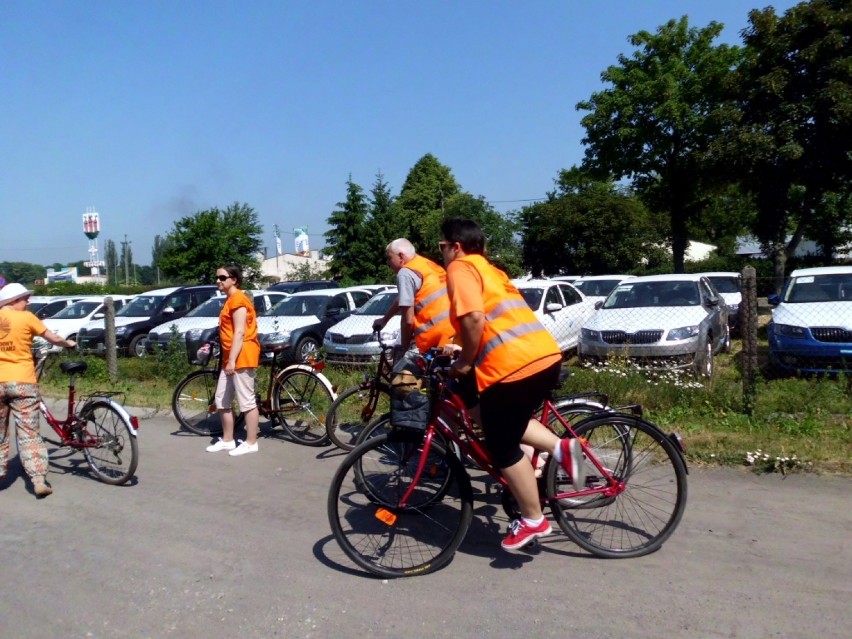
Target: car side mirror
x,y
774,299
332,312
598,305
552,307
168,310
98,316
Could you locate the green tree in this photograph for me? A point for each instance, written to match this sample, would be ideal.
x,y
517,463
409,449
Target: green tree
x,y
423,197
655,123
157,250
347,239
22,272
501,232
111,259
791,121
199,244
588,228
383,222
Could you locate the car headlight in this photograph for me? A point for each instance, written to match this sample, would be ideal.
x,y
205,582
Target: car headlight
x,y
121,330
685,332
589,334
389,337
788,330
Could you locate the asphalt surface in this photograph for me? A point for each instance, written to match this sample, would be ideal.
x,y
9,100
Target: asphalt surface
x,y
207,545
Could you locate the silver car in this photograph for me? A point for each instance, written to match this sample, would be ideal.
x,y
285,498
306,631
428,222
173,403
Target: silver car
x,y
352,341
669,321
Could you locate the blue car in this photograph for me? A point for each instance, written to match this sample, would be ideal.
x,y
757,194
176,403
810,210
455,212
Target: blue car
x,y
811,327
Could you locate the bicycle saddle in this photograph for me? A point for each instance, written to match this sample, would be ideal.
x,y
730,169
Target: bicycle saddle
x,y
73,367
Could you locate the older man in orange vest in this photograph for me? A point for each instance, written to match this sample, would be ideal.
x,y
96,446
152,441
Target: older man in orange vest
x,y
422,298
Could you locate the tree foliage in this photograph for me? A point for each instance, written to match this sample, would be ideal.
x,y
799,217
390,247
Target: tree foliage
x,y
791,121
22,272
201,243
588,228
348,240
423,198
655,123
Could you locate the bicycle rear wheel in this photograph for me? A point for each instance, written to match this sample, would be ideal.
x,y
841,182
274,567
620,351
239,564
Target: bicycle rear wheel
x,y
354,409
637,520
391,540
109,445
301,402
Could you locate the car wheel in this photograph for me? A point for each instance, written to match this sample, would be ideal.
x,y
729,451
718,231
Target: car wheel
x,y
306,347
704,360
137,346
726,340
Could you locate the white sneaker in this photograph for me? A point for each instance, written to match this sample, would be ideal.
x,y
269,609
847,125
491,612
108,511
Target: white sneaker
x,y
221,444
243,449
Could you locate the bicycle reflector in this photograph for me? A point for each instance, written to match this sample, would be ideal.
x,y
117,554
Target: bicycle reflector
x,y
385,516
134,421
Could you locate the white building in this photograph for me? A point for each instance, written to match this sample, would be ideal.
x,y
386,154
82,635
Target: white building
x,y
283,267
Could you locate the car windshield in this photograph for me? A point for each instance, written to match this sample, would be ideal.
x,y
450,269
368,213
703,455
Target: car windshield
x,y
725,283
77,310
299,306
141,306
642,294
210,308
596,288
32,307
378,305
835,287
532,296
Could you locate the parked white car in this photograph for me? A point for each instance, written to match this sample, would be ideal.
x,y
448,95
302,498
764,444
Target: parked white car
x,y
302,319
352,341
560,307
667,321
597,287
205,317
730,286
70,319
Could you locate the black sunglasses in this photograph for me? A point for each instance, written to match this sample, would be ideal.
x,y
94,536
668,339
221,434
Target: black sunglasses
x,y
222,278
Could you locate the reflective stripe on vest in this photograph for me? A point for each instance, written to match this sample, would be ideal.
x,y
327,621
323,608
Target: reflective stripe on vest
x,y
512,336
431,305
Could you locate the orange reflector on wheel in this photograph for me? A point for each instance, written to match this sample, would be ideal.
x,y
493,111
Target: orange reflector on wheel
x,y
433,470
385,516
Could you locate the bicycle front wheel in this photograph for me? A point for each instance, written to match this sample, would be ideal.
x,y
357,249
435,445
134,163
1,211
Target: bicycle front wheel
x,y
353,410
108,443
638,519
301,402
389,539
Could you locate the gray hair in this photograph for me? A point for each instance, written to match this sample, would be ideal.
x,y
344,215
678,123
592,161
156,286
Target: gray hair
x,y
401,245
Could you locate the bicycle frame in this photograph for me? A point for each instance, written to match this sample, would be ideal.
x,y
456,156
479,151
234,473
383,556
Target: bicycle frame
x,y
470,445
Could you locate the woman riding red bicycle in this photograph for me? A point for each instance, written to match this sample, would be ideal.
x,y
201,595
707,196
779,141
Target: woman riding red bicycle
x,y
516,362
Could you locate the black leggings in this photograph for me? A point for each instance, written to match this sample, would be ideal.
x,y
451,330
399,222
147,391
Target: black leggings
x,y
506,408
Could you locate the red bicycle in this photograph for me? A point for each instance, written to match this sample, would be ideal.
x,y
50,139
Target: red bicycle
x,y
99,426
400,504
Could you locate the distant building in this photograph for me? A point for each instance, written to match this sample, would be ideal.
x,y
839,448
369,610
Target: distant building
x,y
282,267
750,247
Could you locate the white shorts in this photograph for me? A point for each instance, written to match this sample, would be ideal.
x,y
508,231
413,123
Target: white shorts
x,y
239,385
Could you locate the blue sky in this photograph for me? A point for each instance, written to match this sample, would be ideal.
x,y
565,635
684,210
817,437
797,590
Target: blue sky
x,y
151,111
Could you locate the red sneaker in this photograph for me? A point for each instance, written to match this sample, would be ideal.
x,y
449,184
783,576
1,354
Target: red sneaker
x,y
521,533
573,462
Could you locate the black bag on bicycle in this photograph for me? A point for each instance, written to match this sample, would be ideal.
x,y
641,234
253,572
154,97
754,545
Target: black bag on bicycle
x,y
410,395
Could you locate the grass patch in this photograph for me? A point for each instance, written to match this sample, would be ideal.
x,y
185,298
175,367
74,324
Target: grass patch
x,y
810,418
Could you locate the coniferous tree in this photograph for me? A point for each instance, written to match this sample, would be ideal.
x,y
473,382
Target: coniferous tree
x,y
348,239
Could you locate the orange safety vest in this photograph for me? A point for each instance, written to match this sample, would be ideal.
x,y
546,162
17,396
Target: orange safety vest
x,y
512,336
431,305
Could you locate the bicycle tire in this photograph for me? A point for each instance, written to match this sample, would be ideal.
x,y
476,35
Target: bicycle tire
x,y
114,459
301,401
353,410
638,520
194,406
383,538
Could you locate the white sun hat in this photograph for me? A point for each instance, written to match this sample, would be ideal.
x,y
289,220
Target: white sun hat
x,y
13,292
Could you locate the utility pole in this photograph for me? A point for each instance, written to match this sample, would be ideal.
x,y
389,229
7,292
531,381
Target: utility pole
x,y
126,247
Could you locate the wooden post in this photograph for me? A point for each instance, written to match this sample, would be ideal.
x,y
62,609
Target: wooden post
x,y
748,328
109,340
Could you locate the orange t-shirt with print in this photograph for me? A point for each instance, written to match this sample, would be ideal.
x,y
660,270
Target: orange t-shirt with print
x,y
249,356
17,329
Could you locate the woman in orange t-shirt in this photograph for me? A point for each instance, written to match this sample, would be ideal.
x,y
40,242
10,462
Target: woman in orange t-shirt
x,y
240,359
18,384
